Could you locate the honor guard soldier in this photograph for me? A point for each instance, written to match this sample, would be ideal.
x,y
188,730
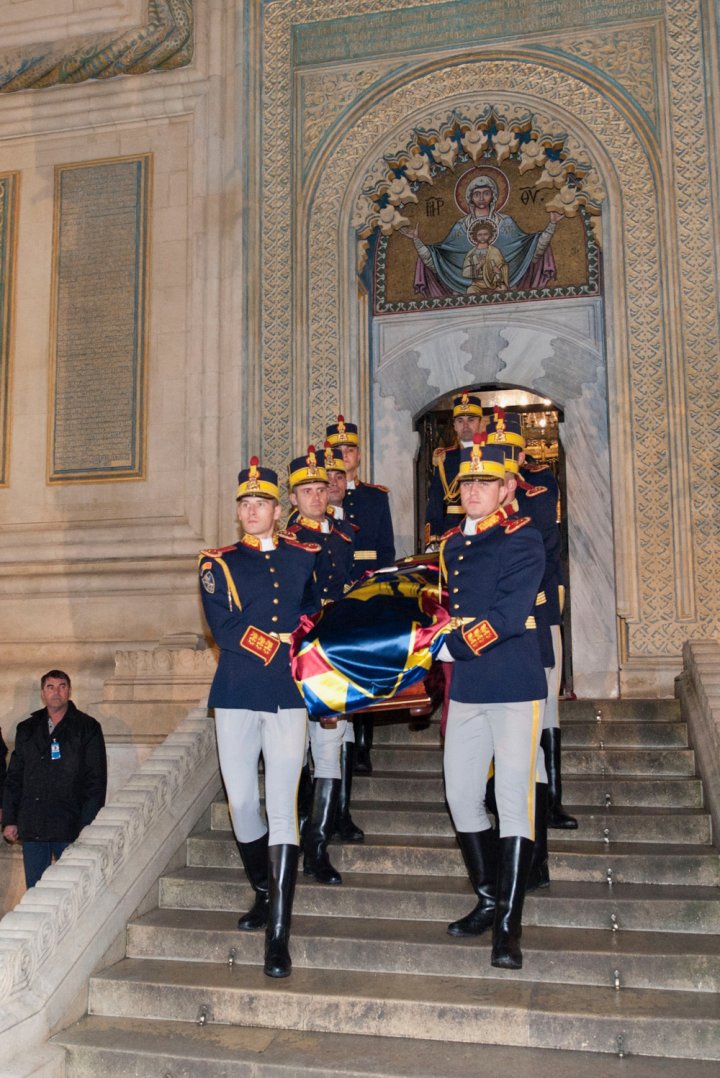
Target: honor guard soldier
x,y
493,565
253,594
368,506
506,431
308,484
345,827
538,498
443,508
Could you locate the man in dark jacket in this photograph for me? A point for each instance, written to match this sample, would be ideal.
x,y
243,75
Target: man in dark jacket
x,y
57,778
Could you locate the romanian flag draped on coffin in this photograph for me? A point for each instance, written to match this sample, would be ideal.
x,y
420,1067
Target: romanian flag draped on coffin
x,y
380,638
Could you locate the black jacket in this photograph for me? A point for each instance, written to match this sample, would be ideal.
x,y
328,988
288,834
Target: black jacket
x,y
52,800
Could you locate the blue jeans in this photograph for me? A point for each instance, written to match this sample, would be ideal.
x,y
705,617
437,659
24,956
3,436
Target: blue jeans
x,y
37,856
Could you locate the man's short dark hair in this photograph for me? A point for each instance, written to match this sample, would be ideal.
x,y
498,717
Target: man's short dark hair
x,y
59,675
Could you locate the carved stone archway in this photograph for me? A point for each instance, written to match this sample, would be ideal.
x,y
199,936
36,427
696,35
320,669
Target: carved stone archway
x,y
650,428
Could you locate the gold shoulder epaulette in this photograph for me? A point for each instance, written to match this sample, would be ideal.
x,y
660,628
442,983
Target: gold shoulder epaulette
x,y
216,553
515,523
311,548
451,531
377,486
336,531
537,467
532,491
438,455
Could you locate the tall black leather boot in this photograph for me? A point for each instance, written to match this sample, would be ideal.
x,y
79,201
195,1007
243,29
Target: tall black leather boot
x,y
480,852
282,873
345,826
513,868
304,801
557,816
363,744
490,802
254,856
316,862
539,870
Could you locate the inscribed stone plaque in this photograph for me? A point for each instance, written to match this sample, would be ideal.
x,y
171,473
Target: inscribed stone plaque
x,y
100,278
9,184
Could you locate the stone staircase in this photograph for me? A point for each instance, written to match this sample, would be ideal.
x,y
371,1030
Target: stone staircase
x,y
622,952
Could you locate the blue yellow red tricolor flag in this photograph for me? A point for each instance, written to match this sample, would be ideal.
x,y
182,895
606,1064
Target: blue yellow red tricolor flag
x,y
380,638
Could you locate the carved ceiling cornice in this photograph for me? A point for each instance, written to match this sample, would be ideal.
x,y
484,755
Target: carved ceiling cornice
x,y
164,42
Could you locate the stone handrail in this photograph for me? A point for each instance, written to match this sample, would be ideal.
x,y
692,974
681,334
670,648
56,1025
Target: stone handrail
x,y
698,689
57,935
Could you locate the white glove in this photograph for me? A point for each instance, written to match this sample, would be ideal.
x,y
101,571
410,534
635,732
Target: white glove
x,y
444,654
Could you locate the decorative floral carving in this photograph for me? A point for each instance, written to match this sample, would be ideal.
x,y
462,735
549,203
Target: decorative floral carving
x,y
325,96
164,42
627,55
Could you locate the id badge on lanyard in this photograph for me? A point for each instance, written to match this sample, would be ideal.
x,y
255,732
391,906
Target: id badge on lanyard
x,y
54,749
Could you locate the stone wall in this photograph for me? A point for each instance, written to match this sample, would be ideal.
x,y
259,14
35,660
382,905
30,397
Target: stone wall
x,y
259,327
93,566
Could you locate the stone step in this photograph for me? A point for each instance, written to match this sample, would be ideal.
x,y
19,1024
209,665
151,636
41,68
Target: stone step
x,y
439,855
470,1010
583,734
659,763
631,710
421,818
551,955
118,1047
635,907
588,790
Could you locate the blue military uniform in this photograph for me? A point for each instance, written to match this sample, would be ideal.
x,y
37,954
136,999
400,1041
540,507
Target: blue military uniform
x,y
367,506
334,573
502,635
253,595
539,499
335,561
250,596
539,502
443,509
493,567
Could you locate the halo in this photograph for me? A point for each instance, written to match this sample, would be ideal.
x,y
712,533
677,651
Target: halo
x,y
486,223
496,174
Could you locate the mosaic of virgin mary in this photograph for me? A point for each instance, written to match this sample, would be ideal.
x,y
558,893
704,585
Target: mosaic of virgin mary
x,y
480,193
